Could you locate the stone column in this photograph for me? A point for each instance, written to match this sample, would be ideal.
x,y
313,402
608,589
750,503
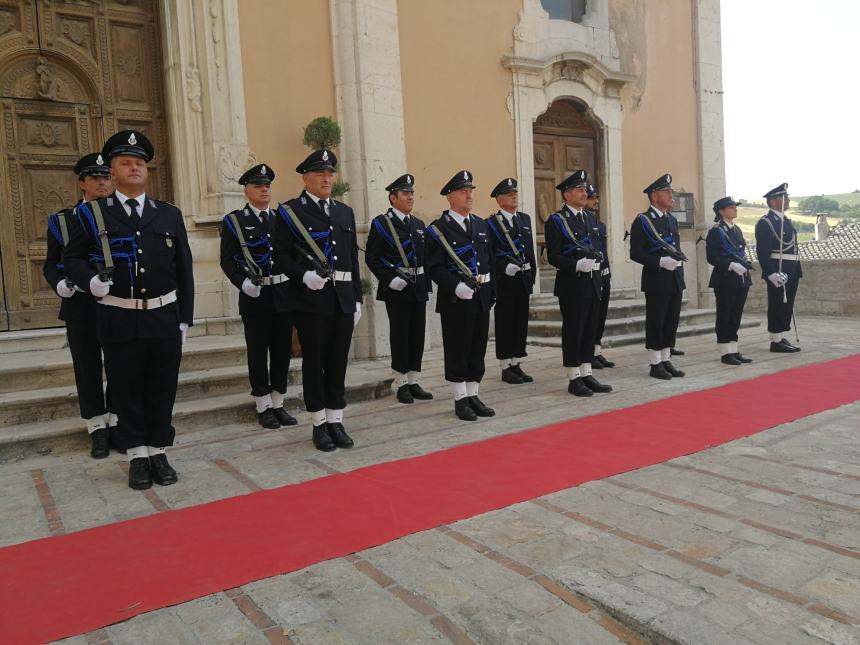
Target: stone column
x,y
209,141
709,90
368,90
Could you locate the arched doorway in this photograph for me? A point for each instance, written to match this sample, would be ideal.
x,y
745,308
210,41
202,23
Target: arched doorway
x,y
71,73
565,140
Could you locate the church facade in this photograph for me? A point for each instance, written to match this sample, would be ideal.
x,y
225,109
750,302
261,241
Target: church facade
x,y
533,89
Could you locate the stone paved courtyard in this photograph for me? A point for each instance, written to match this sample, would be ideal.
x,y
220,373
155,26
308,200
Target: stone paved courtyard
x,y
755,541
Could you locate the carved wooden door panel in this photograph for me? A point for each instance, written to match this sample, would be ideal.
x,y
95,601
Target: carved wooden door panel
x,y
71,73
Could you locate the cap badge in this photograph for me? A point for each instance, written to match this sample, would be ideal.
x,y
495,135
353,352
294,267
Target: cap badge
x,y
132,139
669,178
466,175
263,170
408,179
510,183
325,155
100,161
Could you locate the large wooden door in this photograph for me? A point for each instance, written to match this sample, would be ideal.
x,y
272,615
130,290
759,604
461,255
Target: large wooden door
x,y
564,141
71,73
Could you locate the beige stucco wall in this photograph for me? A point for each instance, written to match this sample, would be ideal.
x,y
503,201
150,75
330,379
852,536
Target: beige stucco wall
x,y
455,94
289,80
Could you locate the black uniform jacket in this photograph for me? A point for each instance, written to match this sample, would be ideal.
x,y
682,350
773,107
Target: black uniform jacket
x,y
258,237
475,251
382,256
563,254
647,251
335,236
522,236
724,244
81,306
150,260
767,231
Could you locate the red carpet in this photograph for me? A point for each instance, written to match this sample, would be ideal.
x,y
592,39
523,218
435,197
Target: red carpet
x,y
61,586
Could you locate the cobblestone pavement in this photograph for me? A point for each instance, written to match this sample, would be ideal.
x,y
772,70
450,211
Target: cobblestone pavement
x,y
755,541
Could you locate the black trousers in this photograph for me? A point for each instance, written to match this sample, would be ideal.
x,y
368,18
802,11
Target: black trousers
x,y
268,337
464,344
578,328
779,313
87,362
512,326
730,310
603,310
325,340
662,314
143,375
406,321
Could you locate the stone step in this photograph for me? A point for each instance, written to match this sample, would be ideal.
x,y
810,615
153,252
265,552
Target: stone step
x,y
549,310
638,338
49,368
621,326
63,434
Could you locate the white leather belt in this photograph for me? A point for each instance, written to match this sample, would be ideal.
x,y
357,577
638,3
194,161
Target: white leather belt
x,y
138,303
482,278
774,255
342,276
269,280
416,271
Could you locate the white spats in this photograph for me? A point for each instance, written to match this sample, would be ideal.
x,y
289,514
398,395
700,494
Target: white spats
x,y
263,402
140,452
655,356
585,369
597,350
665,354
412,377
400,379
318,418
96,423
517,360
724,348
775,338
733,347
472,388
278,399
459,390
111,419
505,363
155,451
334,416
573,372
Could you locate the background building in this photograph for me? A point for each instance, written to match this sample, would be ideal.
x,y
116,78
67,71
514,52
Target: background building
x,y
528,88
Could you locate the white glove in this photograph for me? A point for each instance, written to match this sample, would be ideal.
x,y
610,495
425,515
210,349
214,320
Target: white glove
x,y
98,288
463,292
313,280
585,265
670,264
251,289
738,268
183,331
357,315
512,269
64,290
397,283
777,279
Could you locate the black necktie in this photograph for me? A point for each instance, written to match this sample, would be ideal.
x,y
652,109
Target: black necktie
x,y
323,204
264,216
132,204
468,225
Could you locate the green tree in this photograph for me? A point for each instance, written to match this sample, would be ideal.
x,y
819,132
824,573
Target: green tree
x,y
818,204
324,132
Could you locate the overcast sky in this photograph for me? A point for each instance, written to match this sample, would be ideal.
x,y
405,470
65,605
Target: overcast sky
x,y
804,129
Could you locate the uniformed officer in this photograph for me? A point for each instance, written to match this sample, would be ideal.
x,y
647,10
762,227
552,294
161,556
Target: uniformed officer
x,y
655,244
459,261
246,259
78,309
776,247
395,255
602,244
316,247
571,248
131,251
730,279
515,278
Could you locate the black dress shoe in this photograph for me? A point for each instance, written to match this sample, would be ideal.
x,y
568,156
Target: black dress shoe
x,y
114,441
419,392
101,445
729,359
787,344
338,434
322,438
659,371
480,409
519,370
578,388
404,394
510,376
594,385
779,348
162,472
604,361
676,352
674,371
596,364
463,410
139,474
284,417
268,419
742,358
